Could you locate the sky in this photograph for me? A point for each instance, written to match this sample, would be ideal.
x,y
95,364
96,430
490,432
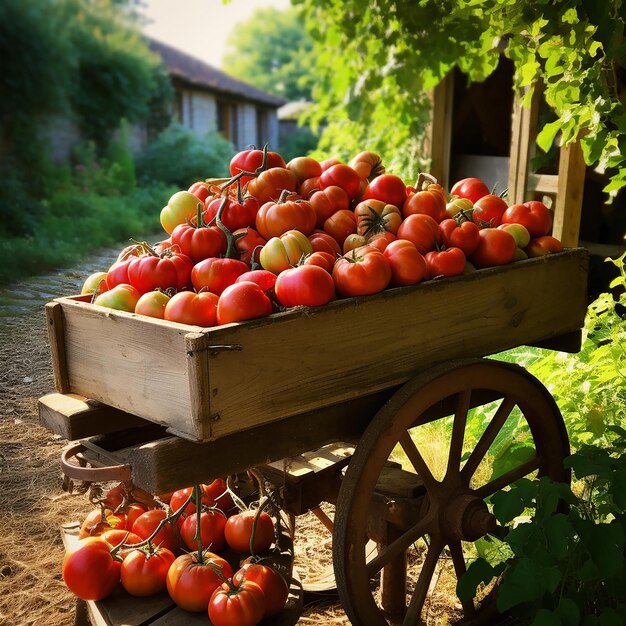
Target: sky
x,y
199,27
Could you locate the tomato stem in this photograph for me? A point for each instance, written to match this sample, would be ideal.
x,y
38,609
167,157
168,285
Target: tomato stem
x,y
197,495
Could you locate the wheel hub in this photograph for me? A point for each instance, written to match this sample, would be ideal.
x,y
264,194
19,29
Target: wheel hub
x,y
466,517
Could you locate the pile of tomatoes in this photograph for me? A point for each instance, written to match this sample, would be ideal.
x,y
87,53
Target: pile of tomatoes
x,y
278,235
149,548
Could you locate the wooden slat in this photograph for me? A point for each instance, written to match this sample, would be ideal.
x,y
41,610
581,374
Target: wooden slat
x,y
56,337
569,197
542,183
73,416
441,134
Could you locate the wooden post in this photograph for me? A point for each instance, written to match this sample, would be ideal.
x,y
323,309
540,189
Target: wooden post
x,y
569,197
441,135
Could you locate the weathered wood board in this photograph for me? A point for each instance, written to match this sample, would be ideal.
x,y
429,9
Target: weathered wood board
x,y
206,383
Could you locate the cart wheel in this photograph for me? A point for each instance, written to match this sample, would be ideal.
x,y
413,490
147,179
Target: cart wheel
x,y
448,505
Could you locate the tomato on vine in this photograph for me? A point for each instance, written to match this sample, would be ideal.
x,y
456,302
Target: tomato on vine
x,y
240,604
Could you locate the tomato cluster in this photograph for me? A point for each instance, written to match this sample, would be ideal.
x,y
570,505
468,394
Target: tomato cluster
x,y
150,547
279,235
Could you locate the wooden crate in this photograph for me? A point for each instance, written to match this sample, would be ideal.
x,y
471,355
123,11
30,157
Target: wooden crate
x,y
205,383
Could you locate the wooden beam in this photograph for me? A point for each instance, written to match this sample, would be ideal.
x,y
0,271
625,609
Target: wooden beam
x,y
569,197
543,183
441,135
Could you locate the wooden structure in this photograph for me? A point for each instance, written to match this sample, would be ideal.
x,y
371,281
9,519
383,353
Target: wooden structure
x,y
564,188
194,404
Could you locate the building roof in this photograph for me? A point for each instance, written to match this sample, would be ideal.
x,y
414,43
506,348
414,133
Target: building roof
x,y
192,70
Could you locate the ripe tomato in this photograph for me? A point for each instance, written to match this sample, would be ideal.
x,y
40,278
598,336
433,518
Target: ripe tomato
x,y
263,278
281,253
495,247
309,186
448,262
340,224
216,274
387,188
471,188
236,214
276,218
381,240
170,270
543,245
251,160
305,167
152,304
118,273
375,216
488,211
464,235
321,241
122,297
147,523
248,243
325,260
238,532
117,537
420,229
429,200
217,494
242,301
408,266
361,272
328,201
201,190
535,216
98,521
199,242
243,604
271,582
307,285
188,307
341,175
270,184
180,496
180,208
89,570
144,572
212,523
368,165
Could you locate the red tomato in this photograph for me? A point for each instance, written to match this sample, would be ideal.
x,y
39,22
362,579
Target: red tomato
x,y
144,573
238,532
455,235
367,165
449,262
240,605
98,521
191,583
543,245
199,242
325,260
328,201
147,523
180,496
321,241
488,211
188,307
387,188
212,522
353,241
381,240
115,496
234,215
305,167
327,163
471,188
341,224
217,494
361,272
420,229
271,582
242,301
252,160
276,218
133,511
122,297
248,243
375,216
308,285
270,184
152,304
408,266
341,175
430,200
180,208
151,272
117,537
118,273
263,278
281,253
309,186
89,570
216,274
535,216
495,247
201,190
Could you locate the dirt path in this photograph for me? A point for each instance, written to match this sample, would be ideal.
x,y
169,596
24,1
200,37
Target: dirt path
x,y
33,504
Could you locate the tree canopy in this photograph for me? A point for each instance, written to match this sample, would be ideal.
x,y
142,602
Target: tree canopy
x,y
272,50
377,60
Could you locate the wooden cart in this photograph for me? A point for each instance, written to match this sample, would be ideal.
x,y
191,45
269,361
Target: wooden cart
x,y
173,405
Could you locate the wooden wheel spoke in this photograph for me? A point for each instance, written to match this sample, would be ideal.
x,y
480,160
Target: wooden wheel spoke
x,y
413,454
458,431
458,560
423,584
395,548
508,477
487,438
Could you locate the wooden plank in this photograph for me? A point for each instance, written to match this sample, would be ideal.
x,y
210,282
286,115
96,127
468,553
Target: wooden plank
x,y
441,133
543,183
198,373
73,416
569,197
56,338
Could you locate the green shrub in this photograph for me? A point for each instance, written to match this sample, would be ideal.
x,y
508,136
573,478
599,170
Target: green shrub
x,y
178,157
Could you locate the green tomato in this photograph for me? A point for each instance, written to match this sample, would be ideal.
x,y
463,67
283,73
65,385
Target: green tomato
x,y
180,208
122,297
457,205
97,281
281,253
518,232
519,255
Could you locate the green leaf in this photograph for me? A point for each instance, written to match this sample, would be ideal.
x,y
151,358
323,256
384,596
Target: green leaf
x,y
479,571
609,617
558,531
545,617
568,611
546,136
522,584
507,505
